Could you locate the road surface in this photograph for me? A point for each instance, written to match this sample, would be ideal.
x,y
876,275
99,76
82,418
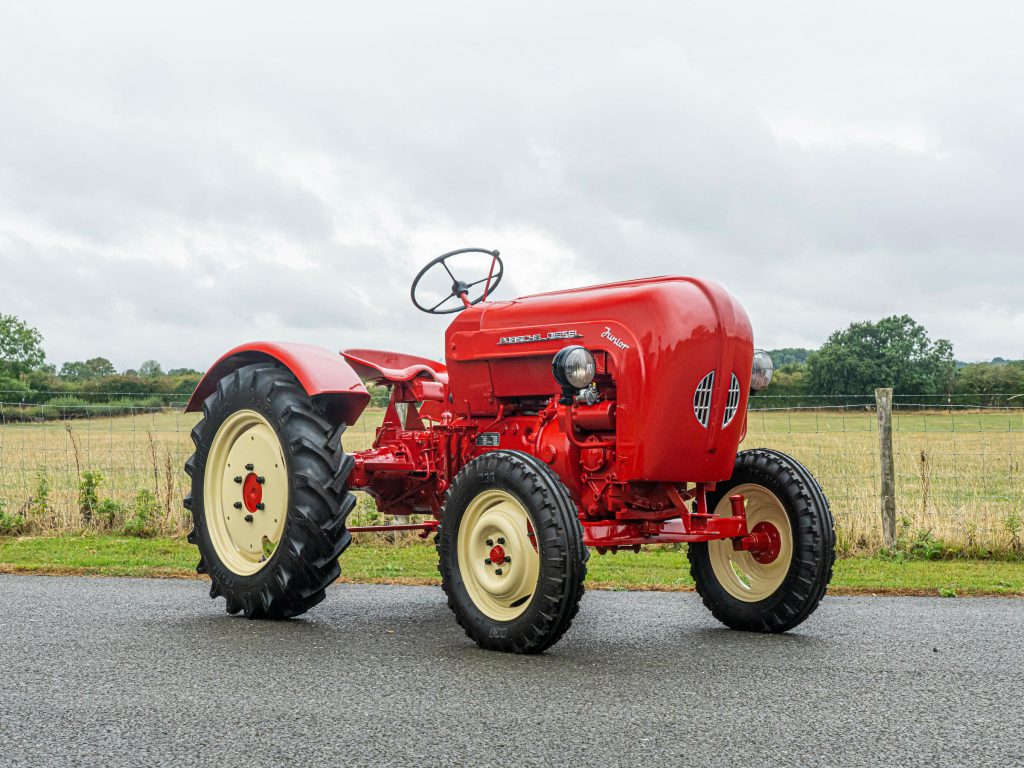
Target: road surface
x,y
136,672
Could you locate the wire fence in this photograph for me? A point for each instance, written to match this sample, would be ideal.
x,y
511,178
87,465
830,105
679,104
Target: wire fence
x,y
957,466
90,465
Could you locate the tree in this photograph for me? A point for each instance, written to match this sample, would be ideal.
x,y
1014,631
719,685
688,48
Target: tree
x,y
789,380
150,368
93,368
1005,377
21,347
788,355
894,352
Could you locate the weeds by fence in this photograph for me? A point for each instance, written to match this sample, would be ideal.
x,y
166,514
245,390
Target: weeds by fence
x,y
959,487
97,466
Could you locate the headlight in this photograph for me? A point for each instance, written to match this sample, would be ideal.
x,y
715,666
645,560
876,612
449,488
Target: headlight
x,y
574,368
761,375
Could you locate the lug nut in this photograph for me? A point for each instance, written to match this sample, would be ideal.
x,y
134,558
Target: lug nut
x,y
248,518
260,506
238,505
487,561
249,467
238,478
501,540
490,542
497,571
261,480
508,559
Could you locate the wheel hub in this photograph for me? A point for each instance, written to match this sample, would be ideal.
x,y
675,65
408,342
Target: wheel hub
x,y
252,492
497,555
767,542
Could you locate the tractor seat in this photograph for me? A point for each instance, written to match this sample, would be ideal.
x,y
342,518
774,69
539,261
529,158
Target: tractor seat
x,y
379,367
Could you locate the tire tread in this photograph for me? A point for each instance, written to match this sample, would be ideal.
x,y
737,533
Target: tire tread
x,y
562,549
813,549
306,559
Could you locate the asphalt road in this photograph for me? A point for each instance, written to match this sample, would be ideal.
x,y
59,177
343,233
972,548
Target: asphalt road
x,y
142,672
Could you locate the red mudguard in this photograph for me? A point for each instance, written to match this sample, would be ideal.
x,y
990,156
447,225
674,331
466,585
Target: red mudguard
x,y
320,371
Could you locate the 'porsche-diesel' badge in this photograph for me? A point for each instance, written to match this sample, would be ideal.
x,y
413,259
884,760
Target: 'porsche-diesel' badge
x,y
549,336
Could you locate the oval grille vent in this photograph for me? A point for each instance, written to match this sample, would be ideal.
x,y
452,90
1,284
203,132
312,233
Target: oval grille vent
x,y
702,399
733,402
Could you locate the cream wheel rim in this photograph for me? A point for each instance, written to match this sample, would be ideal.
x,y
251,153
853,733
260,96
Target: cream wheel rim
x,y
739,572
496,527
245,499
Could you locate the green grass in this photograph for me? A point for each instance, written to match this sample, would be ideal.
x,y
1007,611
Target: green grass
x,y
368,561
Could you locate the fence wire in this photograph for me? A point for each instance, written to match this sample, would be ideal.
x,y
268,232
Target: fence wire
x,y
958,464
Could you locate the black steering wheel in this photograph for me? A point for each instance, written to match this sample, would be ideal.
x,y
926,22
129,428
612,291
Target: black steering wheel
x,y
460,289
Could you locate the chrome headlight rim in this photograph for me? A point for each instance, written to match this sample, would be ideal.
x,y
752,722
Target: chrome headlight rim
x,y
574,367
762,370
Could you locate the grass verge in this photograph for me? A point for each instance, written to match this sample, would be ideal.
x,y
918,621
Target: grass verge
x,y
371,562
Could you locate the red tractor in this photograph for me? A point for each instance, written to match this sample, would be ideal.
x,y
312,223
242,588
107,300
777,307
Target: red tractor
x,y
606,417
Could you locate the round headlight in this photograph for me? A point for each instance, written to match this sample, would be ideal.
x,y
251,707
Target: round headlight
x,y
761,375
574,367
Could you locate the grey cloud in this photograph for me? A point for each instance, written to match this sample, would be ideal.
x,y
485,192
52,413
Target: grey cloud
x,y
177,180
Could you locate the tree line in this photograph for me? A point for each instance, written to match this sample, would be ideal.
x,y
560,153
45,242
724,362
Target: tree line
x,y
893,352
26,377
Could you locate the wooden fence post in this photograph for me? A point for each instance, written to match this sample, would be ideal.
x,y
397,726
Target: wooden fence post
x,y
883,404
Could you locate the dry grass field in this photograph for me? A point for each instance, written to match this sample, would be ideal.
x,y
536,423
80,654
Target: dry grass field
x,y
959,475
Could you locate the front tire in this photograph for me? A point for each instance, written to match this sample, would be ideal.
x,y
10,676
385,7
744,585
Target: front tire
x,y
511,554
774,590
268,497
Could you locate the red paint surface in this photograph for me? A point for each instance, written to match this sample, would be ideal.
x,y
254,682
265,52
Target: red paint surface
x,y
634,464
675,330
379,366
497,554
319,371
767,543
252,492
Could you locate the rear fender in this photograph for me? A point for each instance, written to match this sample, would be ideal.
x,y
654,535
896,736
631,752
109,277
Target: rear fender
x,y
321,373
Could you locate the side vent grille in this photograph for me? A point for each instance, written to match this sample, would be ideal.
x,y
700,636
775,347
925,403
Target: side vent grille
x,y
733,402
702,399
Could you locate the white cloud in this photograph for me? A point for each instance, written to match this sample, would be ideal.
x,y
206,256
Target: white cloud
x,y
177,180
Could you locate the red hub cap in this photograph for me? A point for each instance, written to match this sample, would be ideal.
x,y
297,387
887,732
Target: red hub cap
x,y
252,492
497,555
767,544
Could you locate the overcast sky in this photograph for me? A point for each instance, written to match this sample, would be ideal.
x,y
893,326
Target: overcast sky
x,y
174,182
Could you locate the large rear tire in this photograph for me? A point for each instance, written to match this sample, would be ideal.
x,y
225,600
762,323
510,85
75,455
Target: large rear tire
x,y
774,590
268,498
511,553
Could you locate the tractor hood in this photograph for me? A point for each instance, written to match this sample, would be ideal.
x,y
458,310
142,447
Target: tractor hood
x,y
679,350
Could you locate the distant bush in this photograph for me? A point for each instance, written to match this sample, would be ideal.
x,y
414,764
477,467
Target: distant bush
x,y
88,495
43,388
379,396
67,407
1013,525
14,390
110,514
11,524
39,504
142,521
988,383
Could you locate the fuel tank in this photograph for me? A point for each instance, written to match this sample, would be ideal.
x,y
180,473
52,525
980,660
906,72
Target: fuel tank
x,y
678,352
